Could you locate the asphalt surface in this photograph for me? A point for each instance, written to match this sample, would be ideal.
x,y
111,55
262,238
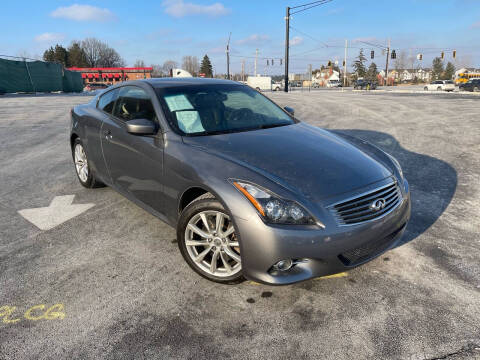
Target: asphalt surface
x,y
111,283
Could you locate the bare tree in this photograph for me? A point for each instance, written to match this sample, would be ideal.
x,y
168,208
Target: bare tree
x,y
98,53
110,58
139,63
401,61
464,61
92,48
190,64
157,71
168,66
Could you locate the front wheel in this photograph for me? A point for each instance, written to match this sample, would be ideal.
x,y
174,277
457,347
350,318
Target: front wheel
x,y
208,241
425,88
82,167
476,89
439,88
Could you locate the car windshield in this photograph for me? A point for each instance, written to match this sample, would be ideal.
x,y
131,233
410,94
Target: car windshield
x,y
196,110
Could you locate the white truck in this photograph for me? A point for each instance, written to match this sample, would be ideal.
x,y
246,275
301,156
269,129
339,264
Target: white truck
x,y
180,73
260,83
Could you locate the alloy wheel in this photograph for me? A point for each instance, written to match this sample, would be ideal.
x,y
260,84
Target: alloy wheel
x,y
212,244
81,163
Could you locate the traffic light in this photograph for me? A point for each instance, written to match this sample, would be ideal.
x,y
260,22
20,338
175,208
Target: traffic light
x,y
280,61
420,56
268,63
394,54
329,63
442,55
272,62
372,54
343,63
454,54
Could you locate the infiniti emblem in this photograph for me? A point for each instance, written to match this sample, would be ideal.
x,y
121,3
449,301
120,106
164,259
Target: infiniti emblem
x,y
378,204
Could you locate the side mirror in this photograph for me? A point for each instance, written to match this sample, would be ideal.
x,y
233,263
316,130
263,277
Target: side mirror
x,y
290,110
140,127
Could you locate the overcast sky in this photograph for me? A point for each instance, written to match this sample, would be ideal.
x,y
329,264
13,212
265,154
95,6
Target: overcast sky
x,y
155,31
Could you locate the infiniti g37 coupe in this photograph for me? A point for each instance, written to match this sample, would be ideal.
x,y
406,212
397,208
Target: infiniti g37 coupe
x,y
252,191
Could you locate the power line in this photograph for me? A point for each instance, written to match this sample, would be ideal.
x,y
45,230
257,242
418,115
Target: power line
x,y
309,6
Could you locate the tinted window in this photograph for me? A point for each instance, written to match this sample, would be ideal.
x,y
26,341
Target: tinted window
x,y
133,103
107,100
213,109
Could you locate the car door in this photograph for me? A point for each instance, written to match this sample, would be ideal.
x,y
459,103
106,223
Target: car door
x,y
134,162
93,133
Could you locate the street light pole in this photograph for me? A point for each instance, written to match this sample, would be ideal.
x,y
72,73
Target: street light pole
x,y
287,44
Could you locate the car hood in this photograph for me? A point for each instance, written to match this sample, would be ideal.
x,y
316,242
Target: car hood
x,y
302,158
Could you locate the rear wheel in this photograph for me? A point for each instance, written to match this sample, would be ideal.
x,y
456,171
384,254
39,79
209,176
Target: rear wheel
x,y
82,167
425,88
439,88
476,89
208,241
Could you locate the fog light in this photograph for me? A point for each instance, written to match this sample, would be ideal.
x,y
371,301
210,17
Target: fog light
x,y
284,265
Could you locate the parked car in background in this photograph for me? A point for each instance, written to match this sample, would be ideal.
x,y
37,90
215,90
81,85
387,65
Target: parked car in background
x,y
238,177
440,85
472,85
363,84
333,83
260,83
95,86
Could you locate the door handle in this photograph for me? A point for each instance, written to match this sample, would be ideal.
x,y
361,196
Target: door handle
x,y
108,134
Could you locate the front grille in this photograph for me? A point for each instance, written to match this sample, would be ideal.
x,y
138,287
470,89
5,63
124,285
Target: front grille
x,y
368,250
362,208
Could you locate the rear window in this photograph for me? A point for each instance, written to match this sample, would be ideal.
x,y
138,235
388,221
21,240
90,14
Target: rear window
x,y
449,82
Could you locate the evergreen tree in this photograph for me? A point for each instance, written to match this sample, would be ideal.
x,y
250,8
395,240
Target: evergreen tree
x,y
449,71
49,55
60,55
372,72
437,68
206,67
76,56
359,65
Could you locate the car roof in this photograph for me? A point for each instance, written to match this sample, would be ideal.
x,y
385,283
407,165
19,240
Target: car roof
x,y
175,82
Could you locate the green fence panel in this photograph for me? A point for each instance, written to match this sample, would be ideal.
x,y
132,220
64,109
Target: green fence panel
x,y
14,77
37,76
46,77
72,81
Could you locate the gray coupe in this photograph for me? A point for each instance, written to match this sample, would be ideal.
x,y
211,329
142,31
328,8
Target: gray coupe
x,y
252,191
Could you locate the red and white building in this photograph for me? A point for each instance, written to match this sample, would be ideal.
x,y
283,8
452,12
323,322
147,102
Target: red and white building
x,y
112,75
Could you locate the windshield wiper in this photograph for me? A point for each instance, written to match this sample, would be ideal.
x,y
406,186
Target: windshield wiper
x,y
268,126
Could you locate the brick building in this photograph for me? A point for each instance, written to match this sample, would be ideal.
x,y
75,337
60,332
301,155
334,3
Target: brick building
x,y
111,76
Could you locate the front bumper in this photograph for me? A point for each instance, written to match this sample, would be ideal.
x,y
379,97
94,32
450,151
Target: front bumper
x,y
321,251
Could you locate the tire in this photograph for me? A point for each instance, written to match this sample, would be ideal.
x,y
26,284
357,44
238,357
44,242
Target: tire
x,y
476,89
212,245
425,88
257,88
439,88
86,176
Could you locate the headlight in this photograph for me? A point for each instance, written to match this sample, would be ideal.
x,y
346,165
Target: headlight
x,y
397,165
272,208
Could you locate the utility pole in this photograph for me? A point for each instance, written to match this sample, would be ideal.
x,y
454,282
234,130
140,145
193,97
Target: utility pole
x,y
243,70
345,66
228,56
287,45
256,57
386,65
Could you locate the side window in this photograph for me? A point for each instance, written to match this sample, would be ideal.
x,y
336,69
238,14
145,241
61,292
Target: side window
x,y
133,103
107,100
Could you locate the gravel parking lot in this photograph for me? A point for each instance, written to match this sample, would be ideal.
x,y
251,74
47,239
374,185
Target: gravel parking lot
x,y
111,283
